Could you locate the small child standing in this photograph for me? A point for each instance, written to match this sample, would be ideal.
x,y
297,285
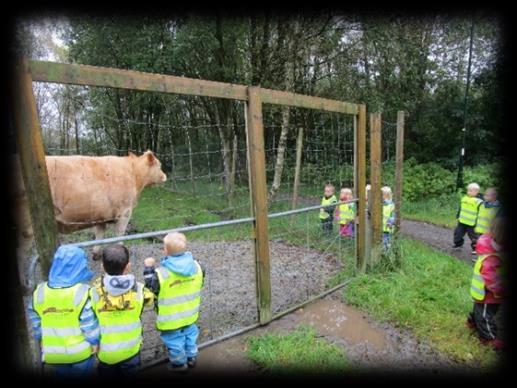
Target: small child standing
x,y
488,210
328,207
118,301
62,317
177,282
345,213
487,286
388,216
467,216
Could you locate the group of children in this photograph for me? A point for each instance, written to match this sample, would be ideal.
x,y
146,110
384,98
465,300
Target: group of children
x,y
482,219
346,213
73,321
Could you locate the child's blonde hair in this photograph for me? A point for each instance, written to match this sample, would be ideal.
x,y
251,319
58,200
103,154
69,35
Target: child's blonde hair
x,y
386,192
473,186
346,190
175,243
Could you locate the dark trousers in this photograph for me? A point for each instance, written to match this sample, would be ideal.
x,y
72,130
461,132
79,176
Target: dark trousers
x,y
326,224
460,231
126,368
482,316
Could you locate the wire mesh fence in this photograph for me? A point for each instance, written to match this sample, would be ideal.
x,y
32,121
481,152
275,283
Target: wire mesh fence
x,y
201,145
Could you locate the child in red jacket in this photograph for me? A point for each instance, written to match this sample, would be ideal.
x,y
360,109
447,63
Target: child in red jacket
x,y
487,288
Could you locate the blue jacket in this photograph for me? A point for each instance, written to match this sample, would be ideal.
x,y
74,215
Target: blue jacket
x,y
69,267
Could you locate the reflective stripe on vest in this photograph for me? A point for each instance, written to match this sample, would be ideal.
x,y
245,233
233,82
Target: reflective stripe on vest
x,y
179,298
477,286
387,211
346,213
326,202
121,330
485,217
469,210
62,340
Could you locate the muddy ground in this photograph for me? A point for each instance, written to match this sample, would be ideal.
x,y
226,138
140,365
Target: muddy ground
x,y
229,303
229,295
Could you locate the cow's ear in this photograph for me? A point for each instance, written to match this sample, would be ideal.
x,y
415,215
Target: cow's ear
x,y
150,157
130,154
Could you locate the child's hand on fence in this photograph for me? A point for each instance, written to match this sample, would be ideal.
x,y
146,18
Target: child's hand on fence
x,y
149,262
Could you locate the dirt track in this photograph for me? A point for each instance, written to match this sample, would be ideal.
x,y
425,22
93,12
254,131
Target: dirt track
x,y
439,237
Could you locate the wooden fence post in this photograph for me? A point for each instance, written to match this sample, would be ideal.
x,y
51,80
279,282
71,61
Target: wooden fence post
x,y
399,166
259,196
34,168
375,199
299,145
360,156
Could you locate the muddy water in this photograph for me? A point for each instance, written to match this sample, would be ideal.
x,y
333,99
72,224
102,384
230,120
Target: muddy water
x,y
335,319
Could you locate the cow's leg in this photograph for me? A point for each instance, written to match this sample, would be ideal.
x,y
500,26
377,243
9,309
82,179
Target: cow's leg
x,y
121,224
99,235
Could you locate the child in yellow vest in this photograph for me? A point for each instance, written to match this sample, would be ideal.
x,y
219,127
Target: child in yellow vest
x,y
489,209
328,203
177,282
388,216
487,286
61,315
118,301
467,217
345,213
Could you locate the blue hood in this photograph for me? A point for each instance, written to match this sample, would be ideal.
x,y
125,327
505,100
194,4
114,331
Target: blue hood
x,y
182,264
69,267
492,204
387,201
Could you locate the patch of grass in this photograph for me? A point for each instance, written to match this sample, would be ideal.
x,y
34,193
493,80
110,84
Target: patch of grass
x,y
300,350
439,211
429,295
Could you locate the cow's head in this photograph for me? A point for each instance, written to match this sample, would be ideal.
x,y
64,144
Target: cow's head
x,y
150,168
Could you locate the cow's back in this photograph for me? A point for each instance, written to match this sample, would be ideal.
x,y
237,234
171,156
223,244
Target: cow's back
x,y
90,190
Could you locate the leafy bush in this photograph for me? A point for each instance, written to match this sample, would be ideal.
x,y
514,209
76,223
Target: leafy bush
x,y
430,180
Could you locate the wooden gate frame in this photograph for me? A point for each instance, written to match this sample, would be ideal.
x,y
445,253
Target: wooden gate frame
x,y
35,176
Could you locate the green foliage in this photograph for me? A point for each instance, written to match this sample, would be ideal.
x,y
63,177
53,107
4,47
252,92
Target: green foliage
x,y
486,175
297,351
440,210
429,295
425,181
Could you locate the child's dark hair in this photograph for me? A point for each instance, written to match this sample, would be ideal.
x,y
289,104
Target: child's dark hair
x,y
114,259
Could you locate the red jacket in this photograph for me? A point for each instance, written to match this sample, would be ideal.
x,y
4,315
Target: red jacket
x,y
493,280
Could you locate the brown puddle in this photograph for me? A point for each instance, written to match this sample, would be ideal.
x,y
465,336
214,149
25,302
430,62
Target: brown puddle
x,y
332,318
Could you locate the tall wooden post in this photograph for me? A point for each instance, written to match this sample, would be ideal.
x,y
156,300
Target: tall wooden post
x,y
399,166
375,176
259,195
34,168
360,156
299,146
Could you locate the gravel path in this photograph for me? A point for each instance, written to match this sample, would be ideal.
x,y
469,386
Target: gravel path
x,y
439,237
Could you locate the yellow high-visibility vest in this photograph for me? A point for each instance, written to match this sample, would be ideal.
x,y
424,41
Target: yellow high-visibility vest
x,y
121,330
387,212
469,210
179,298
484,218
326,202
62,340
346,213
477,286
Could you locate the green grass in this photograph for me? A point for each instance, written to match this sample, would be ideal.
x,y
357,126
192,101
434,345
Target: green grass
x,y
429,295
300,350
439,211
